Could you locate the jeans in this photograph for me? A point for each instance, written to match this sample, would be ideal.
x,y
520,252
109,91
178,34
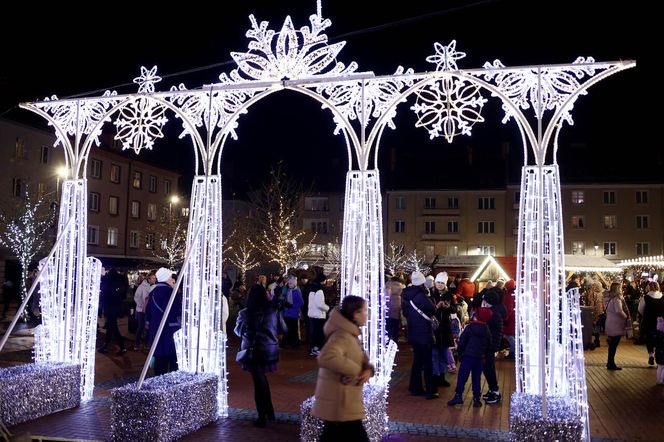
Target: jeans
x,y
490,371
470,364
613,346
439,360
140,329
393,327
511,340
165,364
422,361
262,395
350,431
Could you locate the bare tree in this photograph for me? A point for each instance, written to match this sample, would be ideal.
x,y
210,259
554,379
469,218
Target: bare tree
x,y
395,258
24,229
416,263
243,257
332,257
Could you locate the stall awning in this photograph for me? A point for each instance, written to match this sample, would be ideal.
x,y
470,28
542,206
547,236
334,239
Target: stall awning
x,y
585,263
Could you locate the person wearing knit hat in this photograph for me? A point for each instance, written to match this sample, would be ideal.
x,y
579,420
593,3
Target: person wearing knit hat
x,y
509,324
418,309
428,282
443,338
293,301
491,299
417,278
164,275
474,346
165,359
441,277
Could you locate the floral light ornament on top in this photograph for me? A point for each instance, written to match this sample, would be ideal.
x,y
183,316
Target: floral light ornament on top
x,y
449,106
140,122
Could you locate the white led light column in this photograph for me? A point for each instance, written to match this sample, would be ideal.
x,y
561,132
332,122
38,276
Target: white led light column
x,y
362,255
70,292
202,346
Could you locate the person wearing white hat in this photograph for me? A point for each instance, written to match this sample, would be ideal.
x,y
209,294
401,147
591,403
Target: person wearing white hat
x,y
428,282
165,359
418,309
442,298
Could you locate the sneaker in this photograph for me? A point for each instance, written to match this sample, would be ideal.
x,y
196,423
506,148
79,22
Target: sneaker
x,y
613,368
137,348
651,360
486,395
121,352
432,396
456,400
494,397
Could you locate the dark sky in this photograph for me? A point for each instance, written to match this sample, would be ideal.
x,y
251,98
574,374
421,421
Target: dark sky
x,y
615,136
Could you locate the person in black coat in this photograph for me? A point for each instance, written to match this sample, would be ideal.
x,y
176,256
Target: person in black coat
x,y
442,298
418,308
474,348
113,292
165,356
491,300
259,351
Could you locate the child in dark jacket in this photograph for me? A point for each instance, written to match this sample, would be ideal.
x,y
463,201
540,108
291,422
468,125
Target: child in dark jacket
x,y
473,348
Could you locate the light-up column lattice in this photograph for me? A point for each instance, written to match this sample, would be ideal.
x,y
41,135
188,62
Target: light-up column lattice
x,y
202,341
362,256
70,292
549,348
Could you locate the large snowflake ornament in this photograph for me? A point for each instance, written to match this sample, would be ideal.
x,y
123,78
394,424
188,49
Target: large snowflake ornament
x,y
449,106
139,123
290,53
522,86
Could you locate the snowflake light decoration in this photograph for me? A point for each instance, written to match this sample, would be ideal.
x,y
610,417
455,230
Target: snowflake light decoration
x,y
147,80
139,123
449,106
290,53
557,84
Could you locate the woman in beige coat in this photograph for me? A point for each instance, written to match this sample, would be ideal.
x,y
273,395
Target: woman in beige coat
x,y
343,369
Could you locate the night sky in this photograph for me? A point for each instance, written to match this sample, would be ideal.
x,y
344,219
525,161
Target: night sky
x,y
616,134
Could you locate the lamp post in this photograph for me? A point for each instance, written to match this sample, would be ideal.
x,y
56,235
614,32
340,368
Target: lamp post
x,y
596,247
61,173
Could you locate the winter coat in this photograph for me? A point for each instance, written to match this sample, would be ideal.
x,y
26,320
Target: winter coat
x,y
394,290
615,315
466,289
113,293
509,320
154,312
496,324
258,330
650,307
317,308
341,356
462,310
595,300
443,336
293,304
419,328
475,340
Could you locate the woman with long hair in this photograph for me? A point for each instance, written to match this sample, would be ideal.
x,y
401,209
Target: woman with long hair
x,y
616,314
259,351
343,368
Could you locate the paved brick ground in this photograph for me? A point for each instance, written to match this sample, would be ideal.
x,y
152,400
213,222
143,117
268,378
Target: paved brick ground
x,y
623,405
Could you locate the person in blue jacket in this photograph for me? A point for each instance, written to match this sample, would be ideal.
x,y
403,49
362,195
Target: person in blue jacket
x,y
165,358
292,302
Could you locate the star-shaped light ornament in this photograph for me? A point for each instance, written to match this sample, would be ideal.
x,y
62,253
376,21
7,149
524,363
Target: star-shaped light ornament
x,y
446,57
147,80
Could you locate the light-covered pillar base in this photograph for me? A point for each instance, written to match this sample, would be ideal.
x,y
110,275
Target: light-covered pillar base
x,y
201,343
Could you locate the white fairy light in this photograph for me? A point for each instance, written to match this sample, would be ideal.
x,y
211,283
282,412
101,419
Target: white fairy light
x,y
70,293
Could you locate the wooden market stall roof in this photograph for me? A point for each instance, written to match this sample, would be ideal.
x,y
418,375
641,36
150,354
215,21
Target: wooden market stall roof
x,y
585,263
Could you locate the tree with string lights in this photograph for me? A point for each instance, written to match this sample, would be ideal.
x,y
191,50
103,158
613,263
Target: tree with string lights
x,y
24,229
277,206
415,263
242,256
171,235
395,258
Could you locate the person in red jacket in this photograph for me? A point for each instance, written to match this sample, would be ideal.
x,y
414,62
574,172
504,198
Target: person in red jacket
x,y
466,288
510,319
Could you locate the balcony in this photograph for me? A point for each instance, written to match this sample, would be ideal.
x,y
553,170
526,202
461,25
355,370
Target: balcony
x,y
441,236
441,212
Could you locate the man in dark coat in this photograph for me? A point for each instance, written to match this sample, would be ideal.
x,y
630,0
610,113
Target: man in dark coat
x,y
113,292
418,309
165,357
491,300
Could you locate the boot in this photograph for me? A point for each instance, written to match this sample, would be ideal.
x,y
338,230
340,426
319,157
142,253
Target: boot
x,y
456,400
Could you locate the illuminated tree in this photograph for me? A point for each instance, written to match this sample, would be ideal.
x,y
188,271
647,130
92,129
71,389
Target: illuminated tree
x,y
24,229
171,235
395,258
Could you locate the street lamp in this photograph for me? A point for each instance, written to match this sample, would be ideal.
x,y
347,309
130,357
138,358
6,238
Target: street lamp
x,y
596,247
61,173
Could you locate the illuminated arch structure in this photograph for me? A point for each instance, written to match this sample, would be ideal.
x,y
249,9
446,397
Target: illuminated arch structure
x,y
449,102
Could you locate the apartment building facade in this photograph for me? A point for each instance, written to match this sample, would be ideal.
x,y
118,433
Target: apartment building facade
x,y
617,221
126,198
